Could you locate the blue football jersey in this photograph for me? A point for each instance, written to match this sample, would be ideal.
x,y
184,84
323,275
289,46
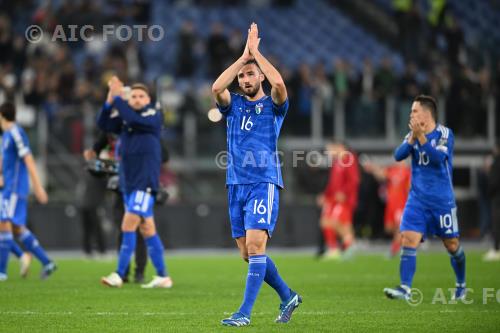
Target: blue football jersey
x,y
432,167
253,128
15,146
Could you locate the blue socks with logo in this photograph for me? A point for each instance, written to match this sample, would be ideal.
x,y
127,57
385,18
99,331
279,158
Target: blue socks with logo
x,y
257,266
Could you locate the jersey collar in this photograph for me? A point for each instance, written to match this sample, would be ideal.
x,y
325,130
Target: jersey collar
x,y
256,101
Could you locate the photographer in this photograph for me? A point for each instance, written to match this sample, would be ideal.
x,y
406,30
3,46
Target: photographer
x,y
108,142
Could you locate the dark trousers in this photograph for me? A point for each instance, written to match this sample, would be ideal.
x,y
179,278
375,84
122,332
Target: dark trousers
x,y
495,224
92,230
141,253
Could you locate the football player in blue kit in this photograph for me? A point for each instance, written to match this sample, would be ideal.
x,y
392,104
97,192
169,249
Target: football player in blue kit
x,y
253,177
139,125
431,207
18,166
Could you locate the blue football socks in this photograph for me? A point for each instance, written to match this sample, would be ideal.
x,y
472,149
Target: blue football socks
x,y
407,265
155,250
458,263
6,240
273,279
257,266
16,249
31,244
127,248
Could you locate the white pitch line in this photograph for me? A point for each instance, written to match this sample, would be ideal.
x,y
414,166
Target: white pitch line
x,y
298,313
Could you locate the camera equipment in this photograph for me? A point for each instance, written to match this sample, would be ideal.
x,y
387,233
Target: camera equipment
x,y
102,168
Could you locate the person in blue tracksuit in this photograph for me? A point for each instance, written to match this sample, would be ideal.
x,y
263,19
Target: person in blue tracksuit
x,y
138,125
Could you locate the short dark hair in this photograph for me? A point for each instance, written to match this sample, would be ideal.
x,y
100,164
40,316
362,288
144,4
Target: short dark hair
x,y
253,61
8,111
428,102
140,86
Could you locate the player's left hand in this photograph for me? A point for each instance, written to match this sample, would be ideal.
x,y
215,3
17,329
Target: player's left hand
x,y
41,195
115,86
246,56
415,127
340,197
253,39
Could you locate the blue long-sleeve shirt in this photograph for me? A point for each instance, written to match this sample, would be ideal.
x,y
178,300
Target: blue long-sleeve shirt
x,y
140,147
432,167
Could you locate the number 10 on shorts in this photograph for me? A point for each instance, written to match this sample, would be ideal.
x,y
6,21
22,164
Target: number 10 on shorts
x,y
449,221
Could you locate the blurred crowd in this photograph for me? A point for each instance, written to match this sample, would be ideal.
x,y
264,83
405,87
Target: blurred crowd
x,y
49,76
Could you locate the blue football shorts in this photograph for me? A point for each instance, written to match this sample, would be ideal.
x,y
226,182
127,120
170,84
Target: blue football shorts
x,y
438,221
139,202
253,206
13,209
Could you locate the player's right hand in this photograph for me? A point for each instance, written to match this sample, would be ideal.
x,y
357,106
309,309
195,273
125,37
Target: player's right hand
x,y
253,39
246,56
320,200
41,195
411,138
115,87
89,154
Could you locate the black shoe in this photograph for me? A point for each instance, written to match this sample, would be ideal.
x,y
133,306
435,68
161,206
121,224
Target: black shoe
x,y
139,278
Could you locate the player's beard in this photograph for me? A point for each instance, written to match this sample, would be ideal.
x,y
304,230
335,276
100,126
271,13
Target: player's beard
x,y
253,91
137,107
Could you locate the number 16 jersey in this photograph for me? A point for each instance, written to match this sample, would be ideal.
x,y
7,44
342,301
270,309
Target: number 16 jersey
x,y
253,128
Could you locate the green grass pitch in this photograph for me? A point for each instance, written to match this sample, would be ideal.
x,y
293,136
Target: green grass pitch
x,y
338,297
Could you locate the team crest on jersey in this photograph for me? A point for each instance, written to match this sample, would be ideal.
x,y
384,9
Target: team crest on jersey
x,y
258,108
149,112
433,142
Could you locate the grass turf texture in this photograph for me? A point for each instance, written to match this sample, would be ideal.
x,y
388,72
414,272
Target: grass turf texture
x,y
338,296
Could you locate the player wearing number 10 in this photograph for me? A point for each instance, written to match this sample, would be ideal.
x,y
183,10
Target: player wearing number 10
x,y
253,175
431,207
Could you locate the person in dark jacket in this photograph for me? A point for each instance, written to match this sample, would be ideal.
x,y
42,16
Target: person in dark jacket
x,y
108,141
91,193
494,192
139,125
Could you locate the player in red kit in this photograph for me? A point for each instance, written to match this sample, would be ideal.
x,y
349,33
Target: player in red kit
x,y
339,200
398,180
